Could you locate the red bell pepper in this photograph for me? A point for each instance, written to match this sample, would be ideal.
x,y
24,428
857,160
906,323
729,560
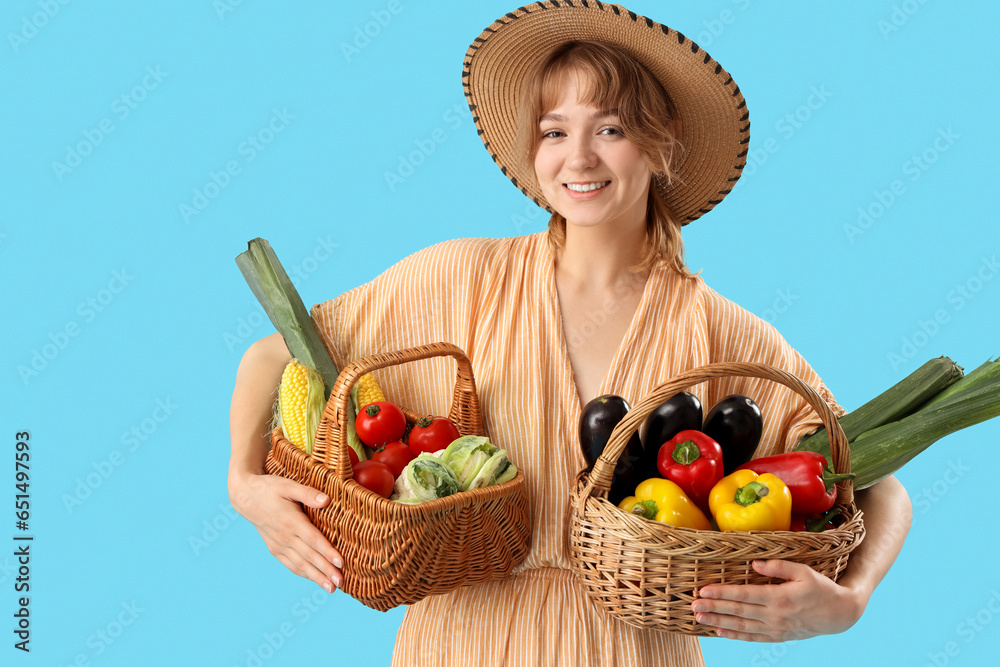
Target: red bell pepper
x,y
693,461
807,476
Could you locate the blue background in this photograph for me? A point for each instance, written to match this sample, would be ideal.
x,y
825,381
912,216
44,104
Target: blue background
x,y
140,531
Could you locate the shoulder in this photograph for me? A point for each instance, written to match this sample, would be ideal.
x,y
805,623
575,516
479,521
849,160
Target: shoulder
x,y
463,255
458,249
449,267
735,333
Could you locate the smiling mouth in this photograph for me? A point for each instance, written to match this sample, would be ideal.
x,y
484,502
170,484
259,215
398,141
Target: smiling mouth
x,y
586,187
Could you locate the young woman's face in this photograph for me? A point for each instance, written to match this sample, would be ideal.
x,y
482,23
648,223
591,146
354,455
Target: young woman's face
x,y
587,170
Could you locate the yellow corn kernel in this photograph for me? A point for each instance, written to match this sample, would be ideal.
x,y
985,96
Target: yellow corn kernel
x,y
368,391
300,404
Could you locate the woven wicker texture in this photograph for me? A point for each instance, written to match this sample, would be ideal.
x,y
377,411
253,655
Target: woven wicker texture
x,y
715,125
647,573
396,553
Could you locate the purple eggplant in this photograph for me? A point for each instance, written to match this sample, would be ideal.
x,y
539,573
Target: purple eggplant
x,y
736,424
680,412
598,420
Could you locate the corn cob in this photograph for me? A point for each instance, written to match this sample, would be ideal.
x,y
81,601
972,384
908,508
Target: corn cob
x,y
300,404
366,391
283,305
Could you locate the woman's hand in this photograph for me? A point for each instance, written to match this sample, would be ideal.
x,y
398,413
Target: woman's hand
x,y
271,504
805,605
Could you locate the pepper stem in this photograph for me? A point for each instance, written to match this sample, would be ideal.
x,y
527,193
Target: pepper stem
x,y
830,478
686,453
751,493
645,509
819,525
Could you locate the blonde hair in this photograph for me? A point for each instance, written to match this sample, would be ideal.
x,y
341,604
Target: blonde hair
x,y
611,78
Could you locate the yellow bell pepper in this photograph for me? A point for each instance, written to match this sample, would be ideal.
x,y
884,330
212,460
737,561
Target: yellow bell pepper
x,y
747,501
662,500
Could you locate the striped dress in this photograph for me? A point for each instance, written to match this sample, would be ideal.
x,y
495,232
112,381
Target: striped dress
x,y
497,300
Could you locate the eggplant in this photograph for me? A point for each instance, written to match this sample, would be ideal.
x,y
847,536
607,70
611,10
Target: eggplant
x,y
736,424
598,420
680,412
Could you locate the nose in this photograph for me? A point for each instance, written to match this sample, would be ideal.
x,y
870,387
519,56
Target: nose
x,y
582,155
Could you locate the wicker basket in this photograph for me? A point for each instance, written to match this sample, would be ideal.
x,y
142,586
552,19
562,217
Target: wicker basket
x,y
397,553
646,573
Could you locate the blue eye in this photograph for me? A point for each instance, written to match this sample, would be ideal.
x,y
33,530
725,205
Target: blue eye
x,y
550,134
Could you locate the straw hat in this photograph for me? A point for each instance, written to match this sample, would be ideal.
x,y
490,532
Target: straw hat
x,y
715,125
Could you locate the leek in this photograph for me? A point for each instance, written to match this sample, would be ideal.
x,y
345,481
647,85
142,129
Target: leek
x,y
932,402
990,369
283,305
898,401
884,450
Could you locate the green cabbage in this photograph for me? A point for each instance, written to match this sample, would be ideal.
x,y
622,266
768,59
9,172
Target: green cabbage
x,y
466,456
496,470
425,478
507,474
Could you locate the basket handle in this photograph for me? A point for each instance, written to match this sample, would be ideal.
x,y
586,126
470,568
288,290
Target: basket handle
x,y
330,445
599,479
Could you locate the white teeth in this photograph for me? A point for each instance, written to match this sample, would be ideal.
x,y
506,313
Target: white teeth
x,y
586,188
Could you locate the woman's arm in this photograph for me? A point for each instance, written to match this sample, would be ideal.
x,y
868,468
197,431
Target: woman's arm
x,y
807,603
269,502
257,381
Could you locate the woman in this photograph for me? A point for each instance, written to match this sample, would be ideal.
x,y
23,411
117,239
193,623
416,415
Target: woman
x,y
624,136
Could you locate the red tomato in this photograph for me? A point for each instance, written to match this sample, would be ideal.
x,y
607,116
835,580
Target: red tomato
x,y
431,434
374,476
379,423
395,455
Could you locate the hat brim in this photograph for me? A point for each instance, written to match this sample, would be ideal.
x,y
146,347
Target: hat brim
x,y
714,120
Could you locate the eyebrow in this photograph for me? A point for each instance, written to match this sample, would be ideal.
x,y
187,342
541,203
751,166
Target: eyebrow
x,y
559,118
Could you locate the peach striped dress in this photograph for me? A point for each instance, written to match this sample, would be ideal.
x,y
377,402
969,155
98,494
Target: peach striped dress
x,y
496,299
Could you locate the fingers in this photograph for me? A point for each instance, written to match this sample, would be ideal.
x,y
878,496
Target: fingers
x,y
296,540
735,625
310,538
781,569
749,593
299,492
746,636
318,558
758,593
301,558
718,608
295,562
772,612
316,541
276,512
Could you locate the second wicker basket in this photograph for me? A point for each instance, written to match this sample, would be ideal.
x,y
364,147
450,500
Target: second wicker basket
x,y
647,574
